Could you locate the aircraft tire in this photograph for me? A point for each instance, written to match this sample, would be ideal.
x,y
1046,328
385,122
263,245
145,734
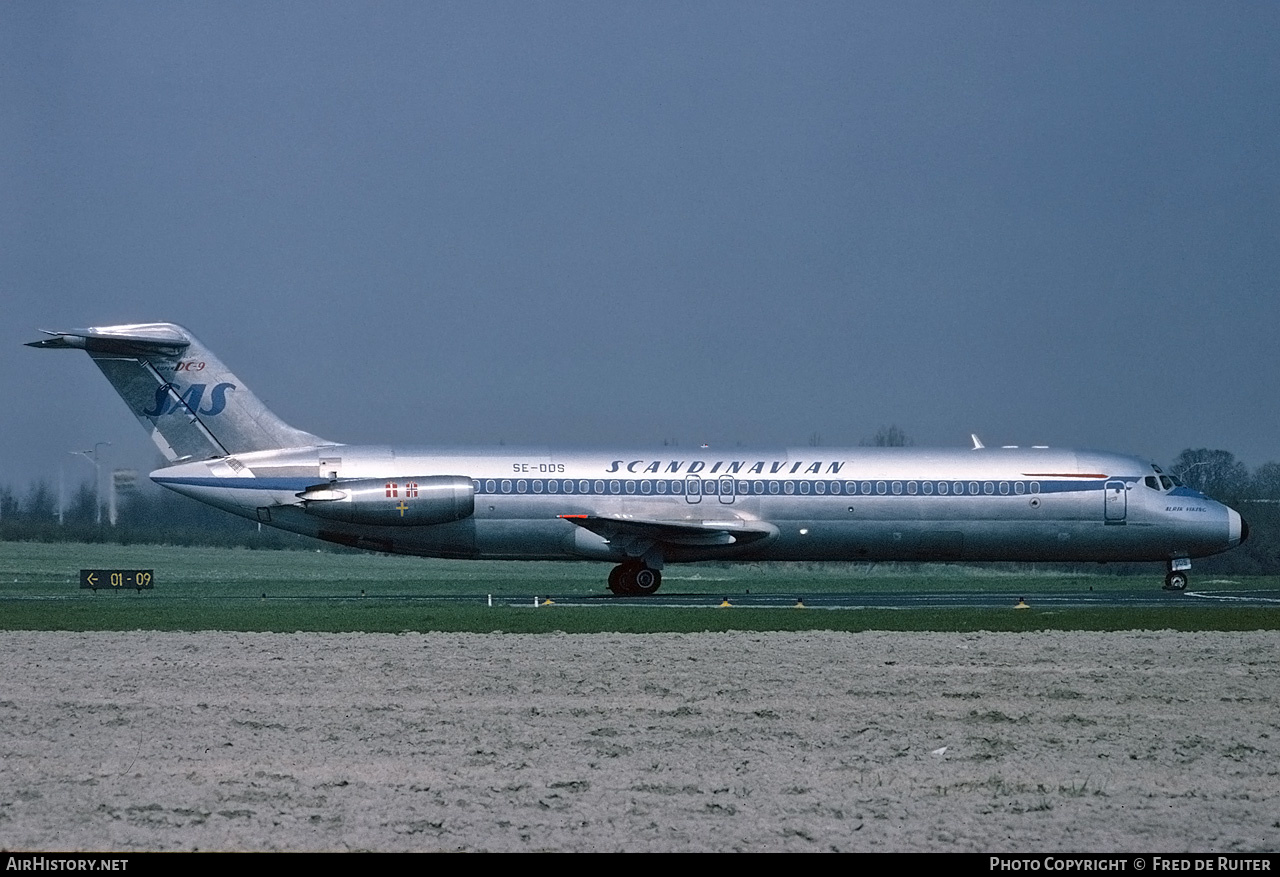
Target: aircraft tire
x,y
634,580
1175,581
645,581
617,582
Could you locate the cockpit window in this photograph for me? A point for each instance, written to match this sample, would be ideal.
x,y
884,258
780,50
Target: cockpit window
x,y
1151,482
1157,469
1167,482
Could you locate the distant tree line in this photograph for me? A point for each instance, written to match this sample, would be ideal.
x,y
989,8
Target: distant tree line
x,y
147,516
152,515
1255,494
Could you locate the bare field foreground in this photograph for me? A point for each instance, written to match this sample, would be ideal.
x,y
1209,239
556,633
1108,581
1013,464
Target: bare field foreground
x,y
993,742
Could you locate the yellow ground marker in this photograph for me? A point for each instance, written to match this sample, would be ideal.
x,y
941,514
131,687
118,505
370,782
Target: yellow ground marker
x,y
1022,604
725,604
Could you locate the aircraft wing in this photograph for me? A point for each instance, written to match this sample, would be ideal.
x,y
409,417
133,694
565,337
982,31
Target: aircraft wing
x,y
625,528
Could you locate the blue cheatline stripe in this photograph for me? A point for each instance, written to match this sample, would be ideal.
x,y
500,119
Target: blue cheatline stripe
x,y
677,487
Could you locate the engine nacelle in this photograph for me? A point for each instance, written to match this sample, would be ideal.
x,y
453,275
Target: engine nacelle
x,y
400,502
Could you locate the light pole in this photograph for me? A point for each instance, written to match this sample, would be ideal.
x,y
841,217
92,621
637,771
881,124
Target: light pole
x,y
92,457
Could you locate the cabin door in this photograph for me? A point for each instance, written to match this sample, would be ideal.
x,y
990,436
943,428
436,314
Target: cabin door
x,y
1116,503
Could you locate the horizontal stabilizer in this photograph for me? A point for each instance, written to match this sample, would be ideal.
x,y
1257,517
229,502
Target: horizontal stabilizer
x,y
162,340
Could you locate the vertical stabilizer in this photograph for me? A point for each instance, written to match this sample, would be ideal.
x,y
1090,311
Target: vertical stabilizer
x,y
191,404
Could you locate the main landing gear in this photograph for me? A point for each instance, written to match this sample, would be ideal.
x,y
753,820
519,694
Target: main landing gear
x,y
634,579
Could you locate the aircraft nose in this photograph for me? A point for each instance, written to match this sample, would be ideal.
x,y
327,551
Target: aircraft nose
x,y
1237,527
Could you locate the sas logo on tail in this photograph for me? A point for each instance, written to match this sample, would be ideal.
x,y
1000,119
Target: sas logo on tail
x,y
166,403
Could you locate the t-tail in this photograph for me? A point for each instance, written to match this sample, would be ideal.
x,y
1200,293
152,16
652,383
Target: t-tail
x,y
192,405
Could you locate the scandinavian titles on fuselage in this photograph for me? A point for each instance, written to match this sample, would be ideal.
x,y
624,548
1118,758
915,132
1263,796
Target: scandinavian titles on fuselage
x,y
734,467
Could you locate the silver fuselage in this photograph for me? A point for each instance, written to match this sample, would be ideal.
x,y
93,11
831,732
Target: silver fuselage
x,y
1036,504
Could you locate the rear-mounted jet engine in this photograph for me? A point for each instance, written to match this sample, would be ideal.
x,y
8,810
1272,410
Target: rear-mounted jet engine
x,y
405,502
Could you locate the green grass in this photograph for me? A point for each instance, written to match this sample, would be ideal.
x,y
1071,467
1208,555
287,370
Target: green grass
x,y
241,589
375,618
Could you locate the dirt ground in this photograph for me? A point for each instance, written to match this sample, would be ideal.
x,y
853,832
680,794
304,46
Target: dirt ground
x,y
990,742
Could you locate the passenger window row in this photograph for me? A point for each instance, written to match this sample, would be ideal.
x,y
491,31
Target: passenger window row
x,y
738,487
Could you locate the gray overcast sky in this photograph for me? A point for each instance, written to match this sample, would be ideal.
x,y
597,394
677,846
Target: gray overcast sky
x,y
619,223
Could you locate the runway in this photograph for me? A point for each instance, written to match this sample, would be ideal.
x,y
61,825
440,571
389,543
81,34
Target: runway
x,y
1074,599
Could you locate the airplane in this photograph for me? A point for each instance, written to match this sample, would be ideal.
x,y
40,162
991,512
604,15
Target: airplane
x,y
643,509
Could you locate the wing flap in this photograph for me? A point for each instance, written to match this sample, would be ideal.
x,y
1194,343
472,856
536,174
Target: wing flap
x,y
617,528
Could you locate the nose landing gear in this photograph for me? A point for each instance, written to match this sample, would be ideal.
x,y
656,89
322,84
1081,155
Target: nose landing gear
x,y
1179,575
633,579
